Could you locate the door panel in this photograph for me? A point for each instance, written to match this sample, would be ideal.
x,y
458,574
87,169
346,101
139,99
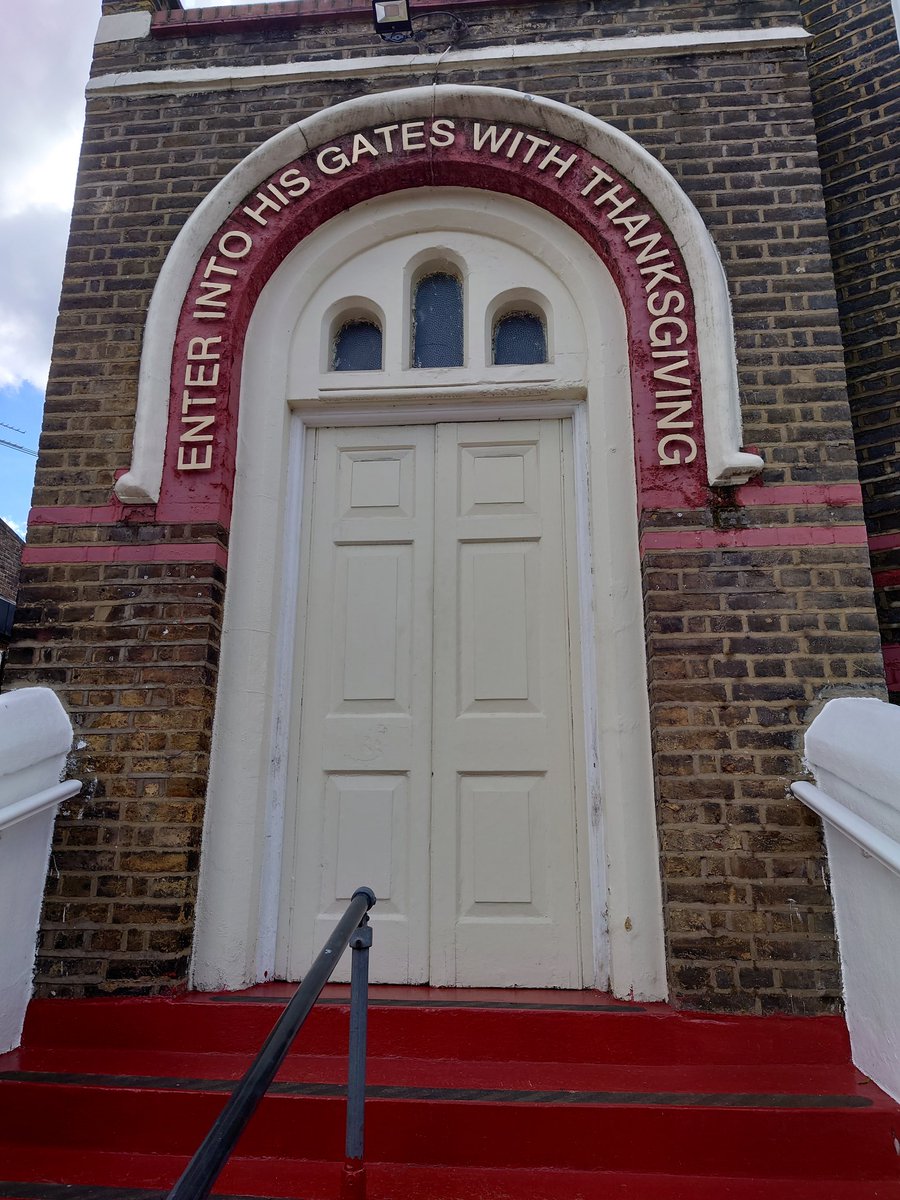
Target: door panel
x,y
435,748
364,773
504,897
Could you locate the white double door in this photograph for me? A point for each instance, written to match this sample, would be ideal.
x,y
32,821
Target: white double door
x,y
436,751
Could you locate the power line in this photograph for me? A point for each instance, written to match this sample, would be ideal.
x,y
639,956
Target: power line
x,y
16,446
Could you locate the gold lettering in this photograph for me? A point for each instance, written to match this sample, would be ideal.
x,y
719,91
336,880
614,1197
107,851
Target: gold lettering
x,y
198,425
265,202
214,267
670,300
361,146
245,242
658,274
332,160
599,177
611,195
677,409
201,379
442,132
514,144
665,375
386,131
410,130
189,458
666,338
648,243
490,134
294,183
188,401
673,458
535,142
198,348
214,294
552,156
633,224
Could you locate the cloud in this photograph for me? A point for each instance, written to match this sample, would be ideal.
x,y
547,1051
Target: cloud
x,y
45,61
16,526
46,56
32,250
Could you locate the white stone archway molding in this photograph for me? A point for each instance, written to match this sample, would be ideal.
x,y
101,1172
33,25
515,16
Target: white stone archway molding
x,y
290,390
727,463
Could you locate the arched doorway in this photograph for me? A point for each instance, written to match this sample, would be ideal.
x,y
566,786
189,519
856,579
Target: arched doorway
x,y
518,830
437,689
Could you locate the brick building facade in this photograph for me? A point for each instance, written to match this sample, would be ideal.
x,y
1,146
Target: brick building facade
x,y
757,592
855,112
10,559
10,556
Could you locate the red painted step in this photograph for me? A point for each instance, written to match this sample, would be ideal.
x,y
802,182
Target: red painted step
x,y
472,1095
610,1031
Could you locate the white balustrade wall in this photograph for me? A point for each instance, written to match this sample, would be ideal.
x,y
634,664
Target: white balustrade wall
x,y
35,736
853,750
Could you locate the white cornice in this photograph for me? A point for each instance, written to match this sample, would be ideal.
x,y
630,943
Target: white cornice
x,y
529,54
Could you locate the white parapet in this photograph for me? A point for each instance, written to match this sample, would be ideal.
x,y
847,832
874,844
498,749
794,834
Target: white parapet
x,y
853,749
35,736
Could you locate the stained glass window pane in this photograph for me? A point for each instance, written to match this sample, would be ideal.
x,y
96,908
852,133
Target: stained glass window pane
x,y
519,337
357,347
438,322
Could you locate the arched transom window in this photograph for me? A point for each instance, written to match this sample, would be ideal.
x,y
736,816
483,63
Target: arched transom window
x,y
437,318
440,307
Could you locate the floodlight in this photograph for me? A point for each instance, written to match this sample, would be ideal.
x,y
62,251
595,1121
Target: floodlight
x,y
391,16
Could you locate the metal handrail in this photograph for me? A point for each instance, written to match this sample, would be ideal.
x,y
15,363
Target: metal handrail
x,y
199,1176
873,842
19,810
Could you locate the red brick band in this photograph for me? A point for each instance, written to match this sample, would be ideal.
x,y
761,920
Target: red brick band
x,y
162,552
892,666
712,539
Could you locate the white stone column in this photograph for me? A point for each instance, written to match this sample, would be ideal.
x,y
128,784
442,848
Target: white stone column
x,y
853,749
35,736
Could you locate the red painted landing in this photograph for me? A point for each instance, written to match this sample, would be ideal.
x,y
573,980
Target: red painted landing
x,y
487,1094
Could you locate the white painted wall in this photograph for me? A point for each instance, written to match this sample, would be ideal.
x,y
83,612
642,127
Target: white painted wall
x,y
35,736
852,749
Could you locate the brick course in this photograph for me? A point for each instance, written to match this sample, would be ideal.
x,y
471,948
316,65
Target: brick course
x,y
744,643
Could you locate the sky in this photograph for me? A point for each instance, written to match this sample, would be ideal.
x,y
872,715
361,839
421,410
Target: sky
x,y
44,60
45,57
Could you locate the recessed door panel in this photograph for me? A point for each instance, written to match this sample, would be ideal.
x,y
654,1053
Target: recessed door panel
x,y
498,670
373,605
500,829
366,823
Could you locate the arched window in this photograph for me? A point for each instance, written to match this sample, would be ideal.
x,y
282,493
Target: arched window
x,y
357,347
519,338
438,321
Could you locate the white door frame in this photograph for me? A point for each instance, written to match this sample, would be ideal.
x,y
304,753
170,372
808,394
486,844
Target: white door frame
x,y
240,868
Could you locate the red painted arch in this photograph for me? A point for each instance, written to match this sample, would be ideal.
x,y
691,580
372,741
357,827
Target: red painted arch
x,y
206,494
